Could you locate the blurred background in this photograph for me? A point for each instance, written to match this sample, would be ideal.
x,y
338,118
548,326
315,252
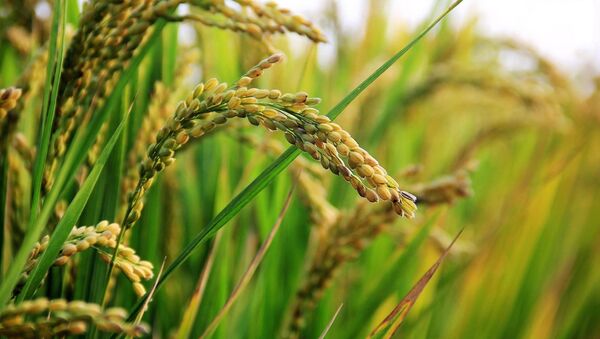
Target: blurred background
x,y
492,121
567,33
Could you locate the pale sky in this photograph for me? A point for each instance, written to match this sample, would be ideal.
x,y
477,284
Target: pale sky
x,y
566,31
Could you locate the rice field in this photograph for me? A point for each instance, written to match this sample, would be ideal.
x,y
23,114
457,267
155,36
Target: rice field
x,y
193,169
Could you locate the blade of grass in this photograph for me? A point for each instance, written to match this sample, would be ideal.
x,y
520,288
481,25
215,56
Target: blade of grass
x,y
53,73
249,273
115,164
109,197
3,192
282,162
401,264
328,327
151,292
61,233
367,82
394,106
388,326
154,38
73,12
192,309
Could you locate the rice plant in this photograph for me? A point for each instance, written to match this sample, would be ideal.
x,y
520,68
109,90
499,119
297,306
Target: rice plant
x,y
188,168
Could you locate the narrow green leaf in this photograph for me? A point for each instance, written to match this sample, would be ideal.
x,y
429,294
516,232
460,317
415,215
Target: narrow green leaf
x,y
271,172
51,89
330,323
402,264
247,276
394,106
169,53
3,192
378,72
191,311
390,324
64,227
73,12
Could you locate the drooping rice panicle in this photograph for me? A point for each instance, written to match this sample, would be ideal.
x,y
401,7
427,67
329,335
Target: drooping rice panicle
x,y
258,20
101,237
43,318
108,37
214,103
23,29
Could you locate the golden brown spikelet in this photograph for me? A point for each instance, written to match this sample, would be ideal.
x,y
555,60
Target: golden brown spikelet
x,y
19,38
94,151
8,116
444,190
43,318
8,101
